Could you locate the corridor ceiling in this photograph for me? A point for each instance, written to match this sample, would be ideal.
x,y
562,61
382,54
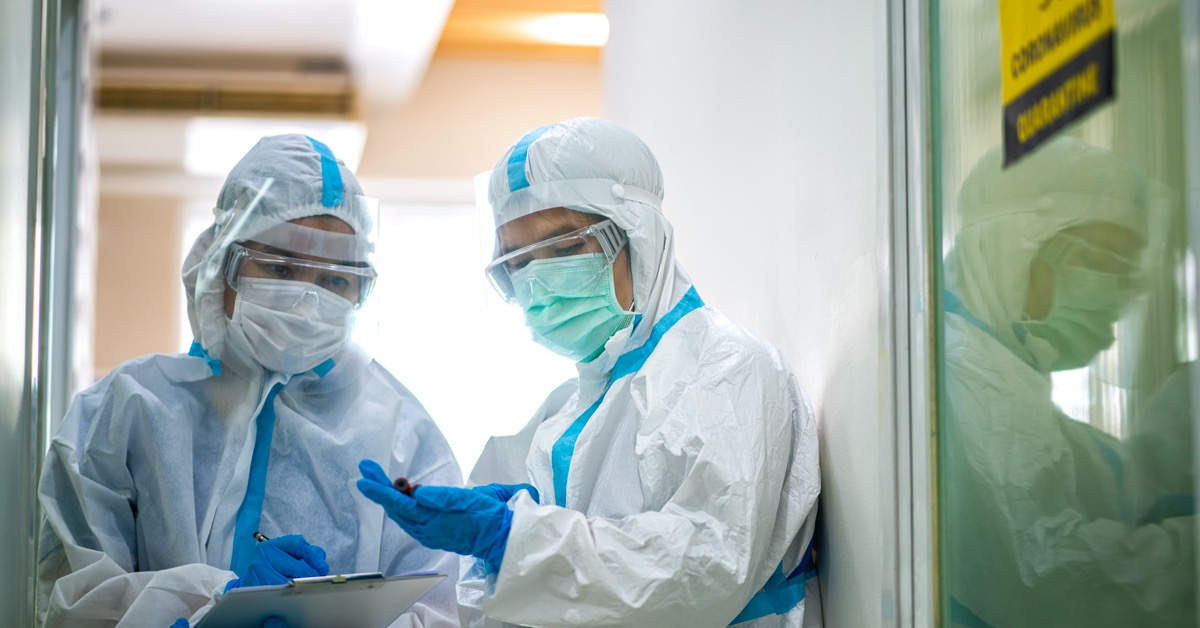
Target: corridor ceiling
x,y
314,56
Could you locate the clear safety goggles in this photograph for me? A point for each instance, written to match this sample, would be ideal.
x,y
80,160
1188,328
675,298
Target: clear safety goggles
x,y
603,238
351,281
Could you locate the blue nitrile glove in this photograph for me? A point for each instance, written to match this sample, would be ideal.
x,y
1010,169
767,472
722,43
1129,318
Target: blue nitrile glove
x,y
182,622
280,559
458,520
505,492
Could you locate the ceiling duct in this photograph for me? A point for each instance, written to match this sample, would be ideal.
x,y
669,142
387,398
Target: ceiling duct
x,y
219,84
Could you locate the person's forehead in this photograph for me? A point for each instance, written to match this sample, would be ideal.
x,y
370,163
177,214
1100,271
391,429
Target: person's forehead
x,y
539,226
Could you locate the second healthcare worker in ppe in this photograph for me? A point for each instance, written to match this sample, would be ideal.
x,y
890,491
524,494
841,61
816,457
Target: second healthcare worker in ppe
x,y
179,477
1043,517
675,482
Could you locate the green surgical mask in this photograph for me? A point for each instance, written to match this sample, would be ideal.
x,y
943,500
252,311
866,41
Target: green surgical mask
x,y
1086,305
570,304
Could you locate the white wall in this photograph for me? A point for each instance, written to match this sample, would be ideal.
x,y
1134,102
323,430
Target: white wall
x,y
769,121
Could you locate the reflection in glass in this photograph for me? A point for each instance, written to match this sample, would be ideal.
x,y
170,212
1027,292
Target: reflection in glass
x,y
1047,520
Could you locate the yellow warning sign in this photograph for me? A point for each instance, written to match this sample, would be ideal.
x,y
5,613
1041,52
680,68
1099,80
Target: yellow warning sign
x,y
1057,64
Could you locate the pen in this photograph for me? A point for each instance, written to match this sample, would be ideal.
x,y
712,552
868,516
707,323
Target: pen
x,y
260,537
403,485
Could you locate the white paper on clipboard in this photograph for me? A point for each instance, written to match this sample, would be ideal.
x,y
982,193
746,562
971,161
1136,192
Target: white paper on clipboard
x,y
351,600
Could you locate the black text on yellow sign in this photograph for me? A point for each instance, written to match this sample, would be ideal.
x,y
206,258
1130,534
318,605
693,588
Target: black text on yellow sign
x,y
1057,65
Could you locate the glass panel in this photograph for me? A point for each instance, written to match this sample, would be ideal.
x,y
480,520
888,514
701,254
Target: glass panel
x,y
1067,340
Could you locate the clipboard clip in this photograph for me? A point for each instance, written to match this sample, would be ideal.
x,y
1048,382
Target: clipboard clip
x,y
335,579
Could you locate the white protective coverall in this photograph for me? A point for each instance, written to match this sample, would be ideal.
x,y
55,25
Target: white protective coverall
x,y
1037,520
694,477
146,475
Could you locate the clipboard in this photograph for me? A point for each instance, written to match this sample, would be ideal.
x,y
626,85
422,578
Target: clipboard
x,y
366,600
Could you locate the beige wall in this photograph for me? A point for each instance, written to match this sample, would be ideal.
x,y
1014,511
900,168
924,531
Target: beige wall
x,y
466,112
137,279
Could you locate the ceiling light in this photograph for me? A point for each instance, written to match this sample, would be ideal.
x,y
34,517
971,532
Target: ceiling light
x,y
568,29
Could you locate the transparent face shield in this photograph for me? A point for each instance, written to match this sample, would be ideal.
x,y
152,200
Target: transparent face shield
x,y
259,243
603,241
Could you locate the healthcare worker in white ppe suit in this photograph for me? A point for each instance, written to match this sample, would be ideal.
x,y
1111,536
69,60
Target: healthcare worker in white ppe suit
x,y
675,482
162,473
1043,517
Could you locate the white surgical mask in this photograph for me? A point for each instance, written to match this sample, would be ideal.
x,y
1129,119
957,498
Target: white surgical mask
x,y
289,326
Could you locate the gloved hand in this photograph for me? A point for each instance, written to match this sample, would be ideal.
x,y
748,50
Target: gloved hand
x,y
280,559
458,520
505,492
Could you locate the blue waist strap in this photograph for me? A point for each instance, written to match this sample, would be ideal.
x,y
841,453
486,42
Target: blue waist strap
x,y
781,593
